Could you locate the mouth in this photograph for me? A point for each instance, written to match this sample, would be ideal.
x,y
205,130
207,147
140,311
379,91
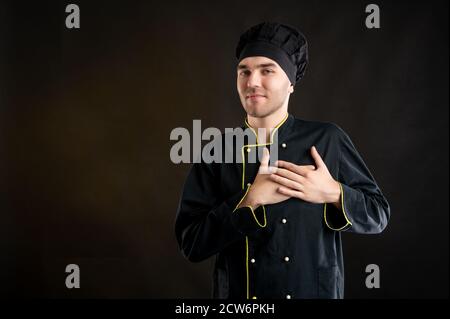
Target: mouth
x,y
255,96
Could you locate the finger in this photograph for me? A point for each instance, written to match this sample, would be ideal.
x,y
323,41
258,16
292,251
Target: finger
x,y
286,182
299,169
316,156
272,169
267,170
289,192
290,175
264,168
265,157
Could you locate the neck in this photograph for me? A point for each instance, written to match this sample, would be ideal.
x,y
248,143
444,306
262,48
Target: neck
x,y
268,123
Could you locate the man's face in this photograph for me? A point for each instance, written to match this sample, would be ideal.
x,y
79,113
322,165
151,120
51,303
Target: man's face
x,y
263,86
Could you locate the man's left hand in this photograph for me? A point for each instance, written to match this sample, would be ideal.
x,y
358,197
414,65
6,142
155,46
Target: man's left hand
x,y
306,182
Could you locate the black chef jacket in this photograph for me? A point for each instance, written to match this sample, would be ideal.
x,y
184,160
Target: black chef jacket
x,y
292,249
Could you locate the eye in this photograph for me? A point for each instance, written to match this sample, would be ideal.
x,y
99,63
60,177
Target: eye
x,y
244,73
267,71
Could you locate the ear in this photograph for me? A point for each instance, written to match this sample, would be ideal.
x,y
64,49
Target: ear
x,y
291,88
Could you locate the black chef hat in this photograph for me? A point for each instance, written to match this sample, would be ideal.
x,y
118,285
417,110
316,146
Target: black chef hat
x,y
282,43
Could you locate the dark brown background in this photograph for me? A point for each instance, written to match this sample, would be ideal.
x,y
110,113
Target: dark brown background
x,y
85,118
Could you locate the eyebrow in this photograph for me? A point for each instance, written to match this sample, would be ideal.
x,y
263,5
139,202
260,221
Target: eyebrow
x,y
263,65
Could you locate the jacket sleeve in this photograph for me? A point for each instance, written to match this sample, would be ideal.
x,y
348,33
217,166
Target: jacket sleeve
x,y
205,222
364,209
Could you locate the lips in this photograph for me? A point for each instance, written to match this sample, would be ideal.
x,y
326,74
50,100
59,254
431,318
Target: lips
x,y
254,96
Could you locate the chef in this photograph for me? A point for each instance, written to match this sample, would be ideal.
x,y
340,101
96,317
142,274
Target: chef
x,y
274,227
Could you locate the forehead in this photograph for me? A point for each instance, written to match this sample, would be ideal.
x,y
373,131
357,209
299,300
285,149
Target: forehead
x,y
255,61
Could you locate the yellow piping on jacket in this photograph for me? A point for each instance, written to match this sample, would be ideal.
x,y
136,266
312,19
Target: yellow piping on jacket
x,y
243,186
343,211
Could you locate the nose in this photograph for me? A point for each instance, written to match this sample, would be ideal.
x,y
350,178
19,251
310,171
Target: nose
x,y
254,80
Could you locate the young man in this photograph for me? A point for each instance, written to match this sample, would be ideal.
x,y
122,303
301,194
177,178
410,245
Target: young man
x,y
276,229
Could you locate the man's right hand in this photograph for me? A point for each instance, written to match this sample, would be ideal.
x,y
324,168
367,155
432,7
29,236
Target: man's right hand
x,y
263,191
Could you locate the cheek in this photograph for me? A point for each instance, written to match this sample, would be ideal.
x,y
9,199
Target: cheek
x,y
279,90
240,87
277,84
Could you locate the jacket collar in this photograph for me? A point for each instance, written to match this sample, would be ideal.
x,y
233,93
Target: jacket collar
x,y
283,127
